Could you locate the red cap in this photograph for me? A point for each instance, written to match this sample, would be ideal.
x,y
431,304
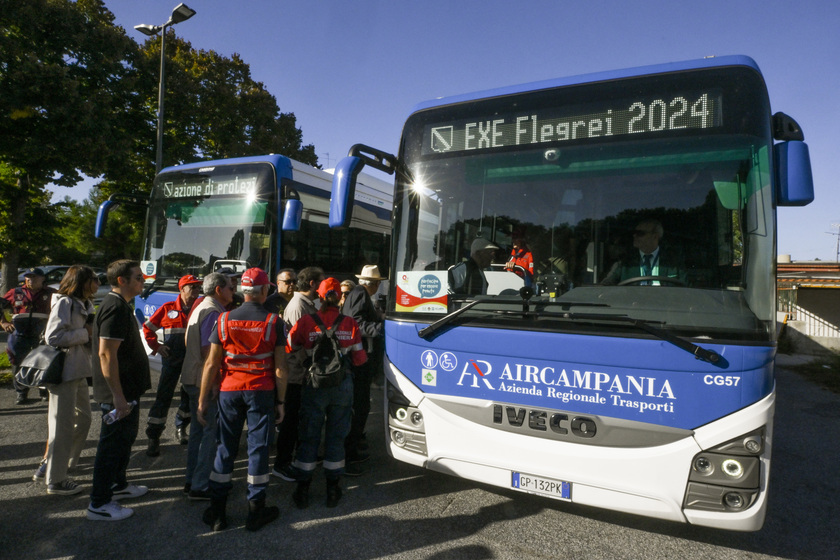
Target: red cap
x,y
254,278
327,286
187,280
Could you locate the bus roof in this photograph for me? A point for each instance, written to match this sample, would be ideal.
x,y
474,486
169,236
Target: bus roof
x,y
610,75
369,189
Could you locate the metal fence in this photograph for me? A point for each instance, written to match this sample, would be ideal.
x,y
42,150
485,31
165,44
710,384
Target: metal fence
x,y
812,324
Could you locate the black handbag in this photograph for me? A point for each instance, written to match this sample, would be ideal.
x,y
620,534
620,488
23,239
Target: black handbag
x,y
42,366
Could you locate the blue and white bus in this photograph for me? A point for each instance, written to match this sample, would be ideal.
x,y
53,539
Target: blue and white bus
x,y
650,392
269,212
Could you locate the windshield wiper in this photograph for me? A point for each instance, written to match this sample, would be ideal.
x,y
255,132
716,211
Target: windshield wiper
x,y
699,352
148,290
436,326
443,321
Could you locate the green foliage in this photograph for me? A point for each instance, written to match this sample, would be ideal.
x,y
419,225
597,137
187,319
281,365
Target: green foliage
x,y
77,95
66,89
214,109
38,214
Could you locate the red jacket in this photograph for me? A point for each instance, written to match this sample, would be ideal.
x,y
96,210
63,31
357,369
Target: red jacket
x,y
305,332
172,318
248,362
22,300
524,259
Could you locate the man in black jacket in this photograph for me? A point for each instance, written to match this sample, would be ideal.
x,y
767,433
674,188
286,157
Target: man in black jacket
x,y
358,304
649,262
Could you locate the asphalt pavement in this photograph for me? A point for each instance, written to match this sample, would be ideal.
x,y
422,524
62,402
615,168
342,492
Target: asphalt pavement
x,y
399,511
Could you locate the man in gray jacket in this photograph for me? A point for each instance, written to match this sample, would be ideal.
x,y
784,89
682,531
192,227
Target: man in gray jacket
x,y
201,450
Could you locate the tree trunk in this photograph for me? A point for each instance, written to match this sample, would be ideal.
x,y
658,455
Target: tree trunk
x,y
17,211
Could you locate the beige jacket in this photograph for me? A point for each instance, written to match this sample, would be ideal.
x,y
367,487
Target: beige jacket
x,y
66,329
193,361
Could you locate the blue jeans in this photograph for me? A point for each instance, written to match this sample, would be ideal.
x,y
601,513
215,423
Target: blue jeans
x,y
235,407
203,441
317,406
112,455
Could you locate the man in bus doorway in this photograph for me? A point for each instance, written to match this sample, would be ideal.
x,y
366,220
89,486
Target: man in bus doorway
x,y
171,319
359,305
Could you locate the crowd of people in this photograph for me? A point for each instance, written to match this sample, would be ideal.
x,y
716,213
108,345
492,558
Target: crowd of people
x,y
238,363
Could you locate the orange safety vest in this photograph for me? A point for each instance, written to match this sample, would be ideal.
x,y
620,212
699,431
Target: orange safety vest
x,y
248,361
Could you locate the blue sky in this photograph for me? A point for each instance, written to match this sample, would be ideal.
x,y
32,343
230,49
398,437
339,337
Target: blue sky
x,y
351,71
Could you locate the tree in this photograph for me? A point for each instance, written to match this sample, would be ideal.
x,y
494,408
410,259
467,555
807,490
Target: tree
x,y
67,98
77,95
214,108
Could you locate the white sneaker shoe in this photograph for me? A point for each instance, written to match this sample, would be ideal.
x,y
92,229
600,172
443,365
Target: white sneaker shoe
x,y
112,511
130,491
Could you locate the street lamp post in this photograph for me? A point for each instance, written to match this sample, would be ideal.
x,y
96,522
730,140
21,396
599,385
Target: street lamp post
x,y
181,13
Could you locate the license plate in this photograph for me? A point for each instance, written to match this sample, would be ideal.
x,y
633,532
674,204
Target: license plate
x,y
557,489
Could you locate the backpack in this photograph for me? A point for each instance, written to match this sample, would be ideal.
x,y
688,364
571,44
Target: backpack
x,y
327,368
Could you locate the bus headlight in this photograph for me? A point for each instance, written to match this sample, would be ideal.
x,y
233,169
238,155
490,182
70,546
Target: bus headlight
x,y
733,500
733,468
406,422
726,477
703,466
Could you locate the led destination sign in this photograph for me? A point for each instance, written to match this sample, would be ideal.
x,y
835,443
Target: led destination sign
x,y
699,110
227,186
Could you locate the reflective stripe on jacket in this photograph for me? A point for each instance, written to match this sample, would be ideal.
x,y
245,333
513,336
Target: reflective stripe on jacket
x,y
248,359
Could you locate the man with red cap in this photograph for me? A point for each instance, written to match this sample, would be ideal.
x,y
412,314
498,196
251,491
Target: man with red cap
x,y
171,320
247,368
331,405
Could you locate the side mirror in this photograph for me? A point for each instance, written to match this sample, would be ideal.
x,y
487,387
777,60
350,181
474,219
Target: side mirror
x,y
102,217
794,181
113,201
292,215
344,190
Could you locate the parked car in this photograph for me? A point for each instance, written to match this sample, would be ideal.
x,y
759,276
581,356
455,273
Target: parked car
x,y
55,273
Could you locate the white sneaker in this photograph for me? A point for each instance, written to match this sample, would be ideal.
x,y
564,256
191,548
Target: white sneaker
x,y
112,511
130,491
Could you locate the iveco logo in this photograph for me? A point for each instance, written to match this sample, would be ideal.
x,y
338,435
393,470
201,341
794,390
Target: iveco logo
x,y
540,420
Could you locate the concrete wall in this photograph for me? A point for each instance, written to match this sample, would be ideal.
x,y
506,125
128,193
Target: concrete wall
x,y
823,302
793,331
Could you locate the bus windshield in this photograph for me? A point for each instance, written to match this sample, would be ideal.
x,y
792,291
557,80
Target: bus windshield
x,y
695,201
200,221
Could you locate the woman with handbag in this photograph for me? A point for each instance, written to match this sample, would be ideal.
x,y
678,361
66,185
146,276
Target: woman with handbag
x,y
70,327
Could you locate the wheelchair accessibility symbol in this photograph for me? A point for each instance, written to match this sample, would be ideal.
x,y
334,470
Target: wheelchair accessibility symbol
x,y
448,361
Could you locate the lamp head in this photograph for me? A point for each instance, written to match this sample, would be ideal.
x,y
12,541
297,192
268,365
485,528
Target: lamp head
x,y
182,12
147,29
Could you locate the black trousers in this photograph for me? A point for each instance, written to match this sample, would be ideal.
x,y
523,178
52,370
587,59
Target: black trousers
x,y
287,431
